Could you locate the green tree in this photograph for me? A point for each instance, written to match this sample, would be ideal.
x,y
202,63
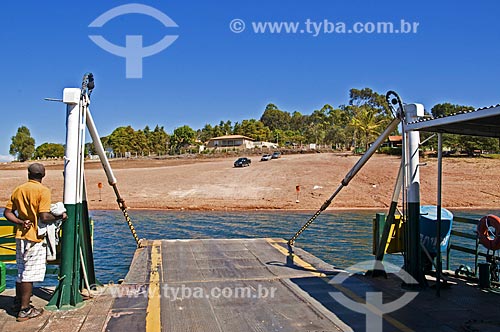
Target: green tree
x,y
159,140
140,144
297,121
367,125
469,144
218,131
367,96
182,138
49,150
23,145
121,139
90,148
276,119
340,133
236,128
369,115
147,134
446,109
339,117
254,129
205,133
222,129
316,126
291,137
227,127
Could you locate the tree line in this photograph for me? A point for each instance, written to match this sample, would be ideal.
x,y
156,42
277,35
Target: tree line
x,y
352,125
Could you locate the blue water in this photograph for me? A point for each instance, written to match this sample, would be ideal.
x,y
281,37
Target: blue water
x,y
339,238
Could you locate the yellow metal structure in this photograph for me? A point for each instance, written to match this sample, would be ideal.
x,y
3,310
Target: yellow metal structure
x,y
395,242
7,242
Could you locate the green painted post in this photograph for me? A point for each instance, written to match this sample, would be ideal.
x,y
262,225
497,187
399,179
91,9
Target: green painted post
x,y
3,273
379,224
414,256
67,294
86,244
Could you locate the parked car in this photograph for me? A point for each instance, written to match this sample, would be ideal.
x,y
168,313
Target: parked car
x,y
266,157
276,155
242,162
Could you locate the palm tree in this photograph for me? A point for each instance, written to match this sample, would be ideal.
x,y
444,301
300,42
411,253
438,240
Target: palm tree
x,y
366,124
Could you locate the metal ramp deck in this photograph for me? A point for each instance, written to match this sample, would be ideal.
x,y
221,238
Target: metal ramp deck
x,y
222,285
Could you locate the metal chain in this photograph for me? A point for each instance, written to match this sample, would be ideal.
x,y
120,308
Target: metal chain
x,y
327,203
123,207
291,242
130,225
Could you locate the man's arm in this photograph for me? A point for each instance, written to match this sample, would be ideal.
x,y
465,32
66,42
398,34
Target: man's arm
x,y
11,216
48,217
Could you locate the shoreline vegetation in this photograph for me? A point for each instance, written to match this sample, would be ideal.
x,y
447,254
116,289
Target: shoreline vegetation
x,y
213,184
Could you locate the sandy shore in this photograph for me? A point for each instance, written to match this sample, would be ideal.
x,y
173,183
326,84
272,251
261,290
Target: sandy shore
x,y
214,184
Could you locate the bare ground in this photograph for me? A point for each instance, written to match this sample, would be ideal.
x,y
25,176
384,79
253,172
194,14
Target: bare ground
x,y
214,184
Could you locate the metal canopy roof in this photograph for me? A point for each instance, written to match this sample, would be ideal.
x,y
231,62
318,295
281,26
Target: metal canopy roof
x,y
481,122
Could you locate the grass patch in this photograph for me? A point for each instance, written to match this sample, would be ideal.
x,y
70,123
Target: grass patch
x,y
491,156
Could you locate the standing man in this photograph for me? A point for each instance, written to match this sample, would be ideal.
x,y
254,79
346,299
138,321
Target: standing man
x,y
31,201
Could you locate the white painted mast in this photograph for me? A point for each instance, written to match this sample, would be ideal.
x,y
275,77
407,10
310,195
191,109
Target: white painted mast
x,y
412,142
72,163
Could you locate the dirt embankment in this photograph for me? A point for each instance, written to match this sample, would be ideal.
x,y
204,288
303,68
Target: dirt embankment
x,y
214,184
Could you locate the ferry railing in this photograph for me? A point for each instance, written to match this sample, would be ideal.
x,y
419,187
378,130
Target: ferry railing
x,y
472,236
8,252
395,242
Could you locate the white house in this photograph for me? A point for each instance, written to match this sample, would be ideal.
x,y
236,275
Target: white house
x,y
231,141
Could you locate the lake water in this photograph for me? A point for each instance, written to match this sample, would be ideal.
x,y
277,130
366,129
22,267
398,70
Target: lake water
x,y
339,238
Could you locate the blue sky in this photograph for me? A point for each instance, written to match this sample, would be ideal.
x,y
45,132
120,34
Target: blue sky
x,y
211,73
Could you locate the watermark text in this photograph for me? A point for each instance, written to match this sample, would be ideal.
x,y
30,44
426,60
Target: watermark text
x,y
324,27
183,292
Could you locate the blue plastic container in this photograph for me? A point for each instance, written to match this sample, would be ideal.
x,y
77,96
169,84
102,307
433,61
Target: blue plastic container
x,y
428,227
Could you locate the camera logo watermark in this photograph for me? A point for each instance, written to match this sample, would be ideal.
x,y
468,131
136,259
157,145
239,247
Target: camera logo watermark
x,y
133,51
374,308
324,27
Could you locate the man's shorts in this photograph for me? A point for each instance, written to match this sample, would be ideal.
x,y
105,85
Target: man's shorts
x,y
31,260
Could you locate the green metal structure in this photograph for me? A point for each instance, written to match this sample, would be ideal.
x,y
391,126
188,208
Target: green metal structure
x,y
77,267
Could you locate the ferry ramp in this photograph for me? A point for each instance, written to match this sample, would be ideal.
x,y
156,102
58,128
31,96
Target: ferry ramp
x,y
223,285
